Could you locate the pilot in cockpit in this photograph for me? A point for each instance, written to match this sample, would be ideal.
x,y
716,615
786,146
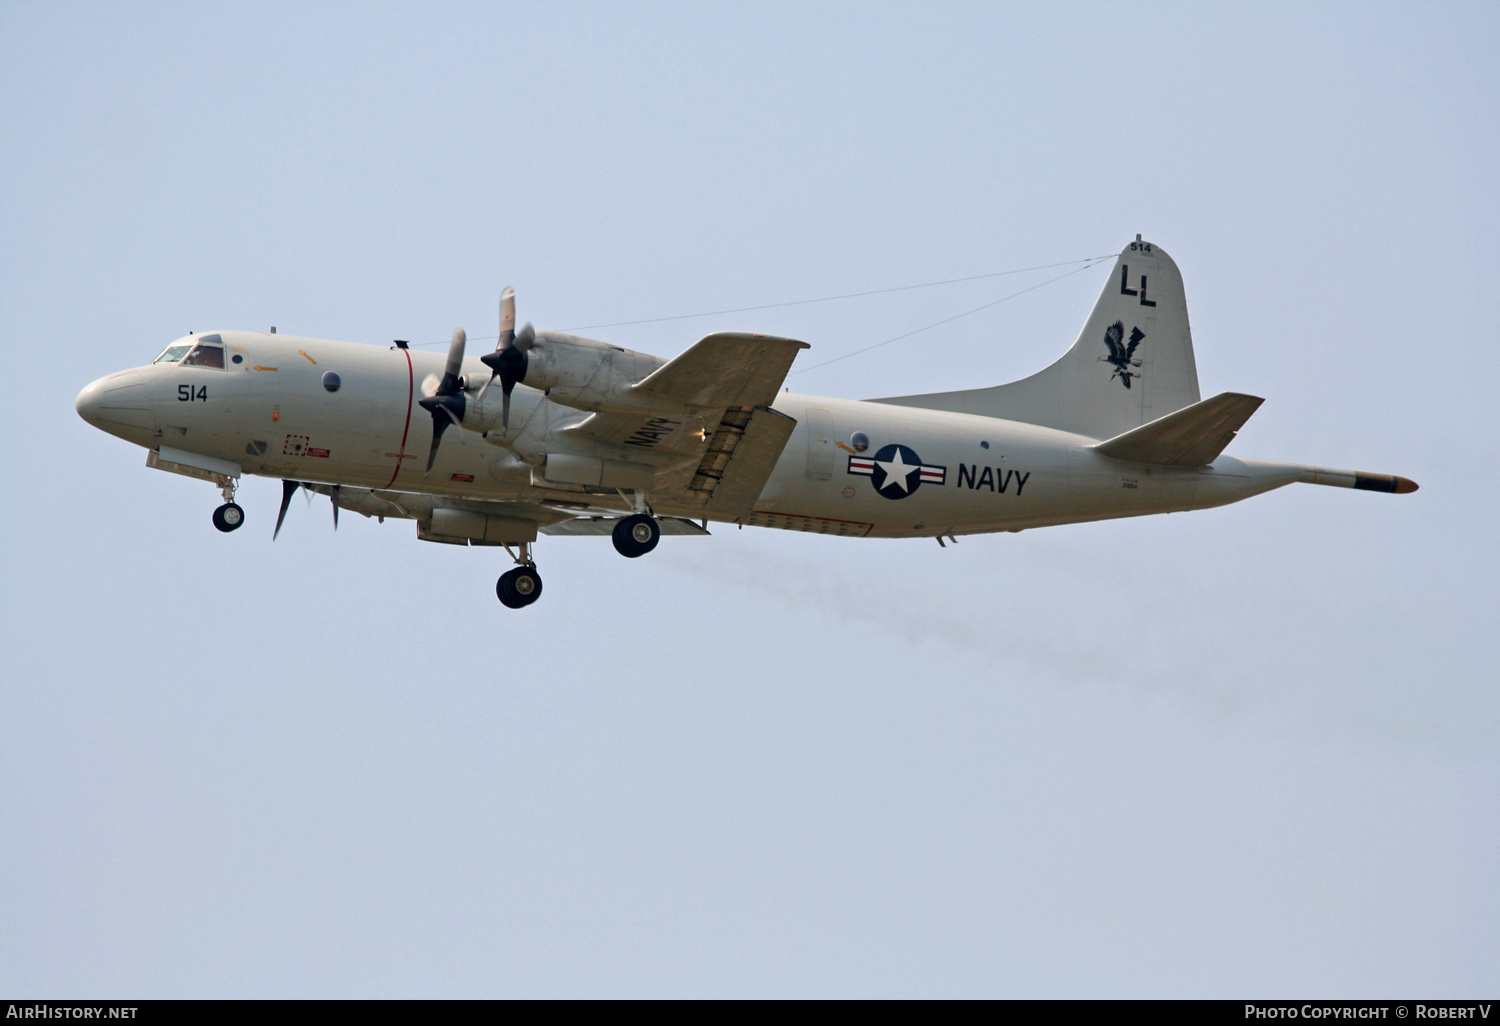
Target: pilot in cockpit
x,y
208,351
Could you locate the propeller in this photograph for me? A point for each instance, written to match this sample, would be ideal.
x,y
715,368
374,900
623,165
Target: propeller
x,y
508,361
288,489
447,404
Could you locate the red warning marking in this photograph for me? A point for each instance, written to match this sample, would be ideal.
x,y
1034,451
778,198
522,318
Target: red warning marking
x,y
461,477
318,452
296,445
410,388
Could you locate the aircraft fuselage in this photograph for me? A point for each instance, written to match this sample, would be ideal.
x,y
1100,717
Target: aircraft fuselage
x,y
854,468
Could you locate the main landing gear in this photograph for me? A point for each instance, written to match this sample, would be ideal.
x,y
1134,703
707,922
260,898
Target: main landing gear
x,y
636,535
521,586
229,516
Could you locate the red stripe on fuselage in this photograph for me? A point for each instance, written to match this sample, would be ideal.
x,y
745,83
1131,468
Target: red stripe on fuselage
x,y
410,388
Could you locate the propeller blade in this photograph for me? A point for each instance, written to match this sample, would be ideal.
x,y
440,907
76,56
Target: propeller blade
x,y
439,425
334,495
288,489
455,363
507,338
507,317
445,410
522,345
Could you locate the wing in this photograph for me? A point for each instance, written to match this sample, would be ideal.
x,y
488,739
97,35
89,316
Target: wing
x,y
597,525
716,462
447,518
708,428
455,521
722,370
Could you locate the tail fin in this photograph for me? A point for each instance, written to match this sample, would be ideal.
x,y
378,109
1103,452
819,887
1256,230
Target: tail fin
x,y
1132,364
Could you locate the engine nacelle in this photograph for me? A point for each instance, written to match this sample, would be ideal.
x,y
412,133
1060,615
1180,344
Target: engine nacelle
x,y
578,372
462,526
584,373
561,468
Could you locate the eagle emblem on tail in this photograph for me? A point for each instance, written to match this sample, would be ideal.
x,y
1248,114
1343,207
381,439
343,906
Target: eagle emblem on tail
x,y
1122,353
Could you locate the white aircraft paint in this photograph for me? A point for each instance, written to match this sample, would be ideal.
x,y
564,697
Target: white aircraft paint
x,y
597,433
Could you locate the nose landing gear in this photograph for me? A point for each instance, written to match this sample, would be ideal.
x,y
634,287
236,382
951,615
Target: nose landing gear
x,y
229,516
521,586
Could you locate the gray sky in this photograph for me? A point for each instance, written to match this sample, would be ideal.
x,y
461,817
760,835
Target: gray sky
x,y
1242,751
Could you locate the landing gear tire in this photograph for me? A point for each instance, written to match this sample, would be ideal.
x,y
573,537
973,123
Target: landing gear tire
x,y
228,517
636,535
519,587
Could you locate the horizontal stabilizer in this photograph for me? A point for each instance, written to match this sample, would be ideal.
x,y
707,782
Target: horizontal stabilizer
x,y
1192,437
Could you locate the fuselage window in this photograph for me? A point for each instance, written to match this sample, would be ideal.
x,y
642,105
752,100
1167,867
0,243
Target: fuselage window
x,y
204,355
173,353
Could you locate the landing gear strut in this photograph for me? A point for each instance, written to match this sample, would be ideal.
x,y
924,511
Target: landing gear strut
x,y
229,516
636,535
521,586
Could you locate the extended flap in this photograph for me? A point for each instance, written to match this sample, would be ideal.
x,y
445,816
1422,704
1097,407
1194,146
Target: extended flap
x,y
1192,437
739,459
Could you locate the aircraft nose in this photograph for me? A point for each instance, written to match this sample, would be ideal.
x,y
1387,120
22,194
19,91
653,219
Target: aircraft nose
x,y
116,403
90,399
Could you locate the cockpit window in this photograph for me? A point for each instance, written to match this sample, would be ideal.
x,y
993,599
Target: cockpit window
x,y
203,351
173,353
205,355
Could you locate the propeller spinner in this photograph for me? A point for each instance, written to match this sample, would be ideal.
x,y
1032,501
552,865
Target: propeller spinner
x,y
508,361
